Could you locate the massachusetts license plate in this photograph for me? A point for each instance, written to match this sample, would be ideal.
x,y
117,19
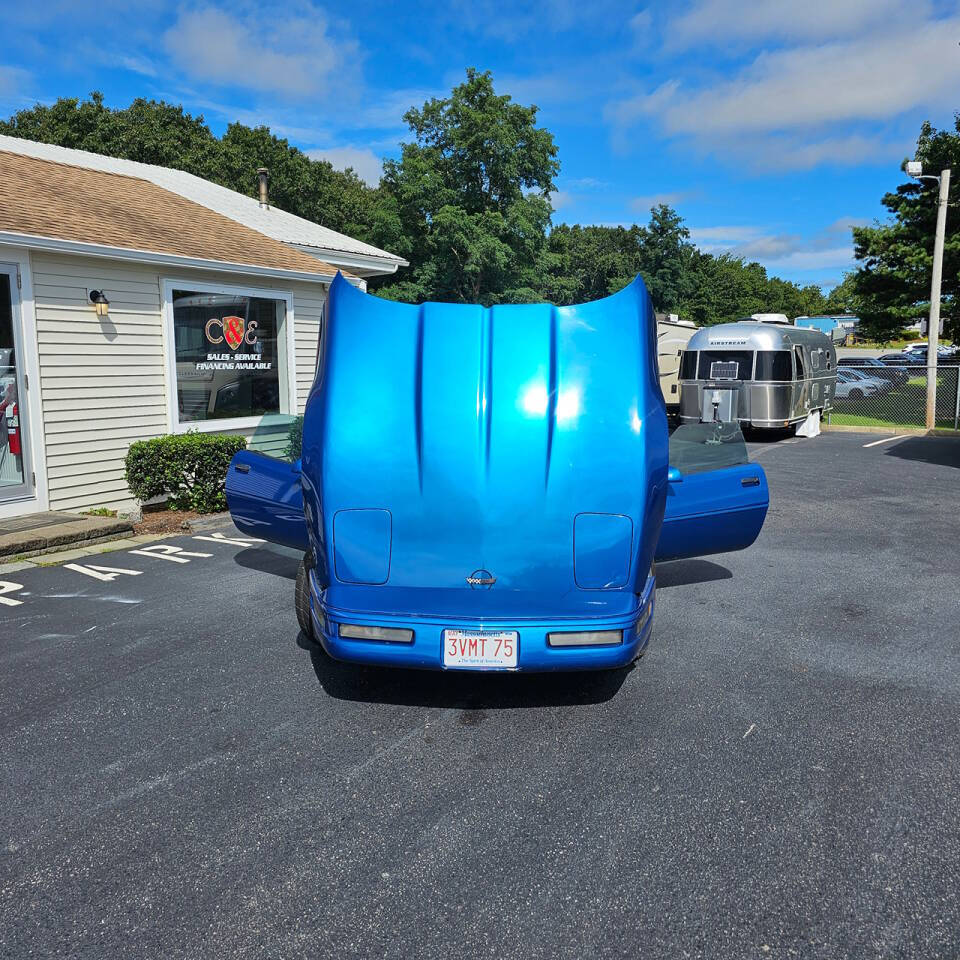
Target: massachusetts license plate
x,y
472,649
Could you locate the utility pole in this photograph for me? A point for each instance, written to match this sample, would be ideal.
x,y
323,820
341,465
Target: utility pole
x,y
915,169
933,331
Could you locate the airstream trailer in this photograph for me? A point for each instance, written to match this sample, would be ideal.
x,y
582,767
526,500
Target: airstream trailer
x,y
673,335
761,374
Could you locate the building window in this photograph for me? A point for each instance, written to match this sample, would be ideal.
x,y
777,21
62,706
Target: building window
x,y
231,360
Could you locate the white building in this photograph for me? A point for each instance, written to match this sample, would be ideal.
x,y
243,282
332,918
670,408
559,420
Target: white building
x,y
212,321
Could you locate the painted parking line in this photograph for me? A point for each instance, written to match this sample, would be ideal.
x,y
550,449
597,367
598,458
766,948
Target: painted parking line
x,y
7,586
108,574
237,541
876,443
167,551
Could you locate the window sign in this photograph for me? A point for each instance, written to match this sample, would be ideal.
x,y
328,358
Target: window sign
x,y
230,355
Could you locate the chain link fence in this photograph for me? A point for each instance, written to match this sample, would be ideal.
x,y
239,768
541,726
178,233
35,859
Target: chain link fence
x,y
895,395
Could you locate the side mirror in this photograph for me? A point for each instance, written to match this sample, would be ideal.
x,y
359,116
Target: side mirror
x,y
674,475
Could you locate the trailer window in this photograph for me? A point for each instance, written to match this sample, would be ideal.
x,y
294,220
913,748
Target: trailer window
x,y
774,366
688,365
742,358
798,353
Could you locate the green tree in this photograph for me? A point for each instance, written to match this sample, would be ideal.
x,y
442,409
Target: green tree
x,y
843,297
666,254
590,262
892,285
468,201
155,132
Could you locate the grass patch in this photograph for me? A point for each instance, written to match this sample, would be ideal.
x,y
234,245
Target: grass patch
x,y
856,420
100,512
904,406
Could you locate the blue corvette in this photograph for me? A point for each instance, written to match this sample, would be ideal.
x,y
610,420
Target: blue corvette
x,y
488,488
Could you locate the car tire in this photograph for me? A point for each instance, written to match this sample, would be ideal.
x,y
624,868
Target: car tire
x,y
302,599
855,394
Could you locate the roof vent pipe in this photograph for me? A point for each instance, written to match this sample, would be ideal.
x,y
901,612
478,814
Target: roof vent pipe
x,y
263,175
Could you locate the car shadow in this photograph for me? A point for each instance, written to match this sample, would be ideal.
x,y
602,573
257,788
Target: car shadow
x,y
766,436
941,451
460,690
681,573
278,561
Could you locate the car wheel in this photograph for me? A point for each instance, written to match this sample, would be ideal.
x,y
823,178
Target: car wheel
x,y
302,599
855,394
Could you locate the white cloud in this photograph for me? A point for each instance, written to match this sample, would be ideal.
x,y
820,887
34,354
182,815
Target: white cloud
x,y
845,224
365,163
291,51
561,198
822,101
643,203
12,80
710,21
723,238
771,153
833,258
587,183
522,17
780,251
869,78
564,85
386,110
137,65
640,22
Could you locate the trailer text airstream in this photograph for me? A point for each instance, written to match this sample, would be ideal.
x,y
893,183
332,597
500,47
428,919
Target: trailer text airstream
x,y
760,374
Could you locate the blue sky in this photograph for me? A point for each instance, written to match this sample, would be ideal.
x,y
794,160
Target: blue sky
x,y
771,126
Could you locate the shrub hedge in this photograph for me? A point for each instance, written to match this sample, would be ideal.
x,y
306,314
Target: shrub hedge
x,y
189,468
295,439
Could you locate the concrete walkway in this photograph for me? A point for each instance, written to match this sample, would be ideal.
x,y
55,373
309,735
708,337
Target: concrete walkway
x,y
39,533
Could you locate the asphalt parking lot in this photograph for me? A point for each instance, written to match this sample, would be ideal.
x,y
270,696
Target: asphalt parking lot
x,y
778,777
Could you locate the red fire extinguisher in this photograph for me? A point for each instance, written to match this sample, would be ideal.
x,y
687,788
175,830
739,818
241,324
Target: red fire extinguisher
x,y
13,426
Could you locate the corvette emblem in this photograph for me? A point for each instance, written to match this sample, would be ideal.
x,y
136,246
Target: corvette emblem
x,y
233,331
481,578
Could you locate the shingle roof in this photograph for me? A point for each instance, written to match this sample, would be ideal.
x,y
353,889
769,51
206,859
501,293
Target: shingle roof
x,y
45,199
275,223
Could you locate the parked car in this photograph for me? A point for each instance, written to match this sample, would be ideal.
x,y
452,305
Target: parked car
x,y
852,387
874,367
904,359
532,549
920,353
882,384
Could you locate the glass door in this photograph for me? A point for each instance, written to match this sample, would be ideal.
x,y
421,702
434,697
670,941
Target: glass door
x,y
15,471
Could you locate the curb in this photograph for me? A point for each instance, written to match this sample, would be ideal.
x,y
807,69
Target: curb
x,y
71,552
906,431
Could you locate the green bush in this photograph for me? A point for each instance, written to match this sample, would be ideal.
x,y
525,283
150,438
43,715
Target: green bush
x,y
295,439
189,468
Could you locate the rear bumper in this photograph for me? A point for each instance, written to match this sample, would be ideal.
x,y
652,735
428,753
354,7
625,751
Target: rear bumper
x,y
534,653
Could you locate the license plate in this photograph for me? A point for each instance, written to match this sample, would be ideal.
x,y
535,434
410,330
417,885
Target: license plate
x,y
473,649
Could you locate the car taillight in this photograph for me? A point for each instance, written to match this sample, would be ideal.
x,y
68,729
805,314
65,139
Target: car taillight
x,y
585,638
354,631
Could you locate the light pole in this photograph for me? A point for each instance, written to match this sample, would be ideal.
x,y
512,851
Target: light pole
x,y
915,169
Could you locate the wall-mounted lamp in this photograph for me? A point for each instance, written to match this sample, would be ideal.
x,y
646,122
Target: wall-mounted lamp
x,y
100,302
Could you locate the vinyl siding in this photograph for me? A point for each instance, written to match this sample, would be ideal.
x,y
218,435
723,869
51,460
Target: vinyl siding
x,y
103,382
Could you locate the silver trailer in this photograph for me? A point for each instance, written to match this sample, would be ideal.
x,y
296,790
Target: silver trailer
x,y
760,374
